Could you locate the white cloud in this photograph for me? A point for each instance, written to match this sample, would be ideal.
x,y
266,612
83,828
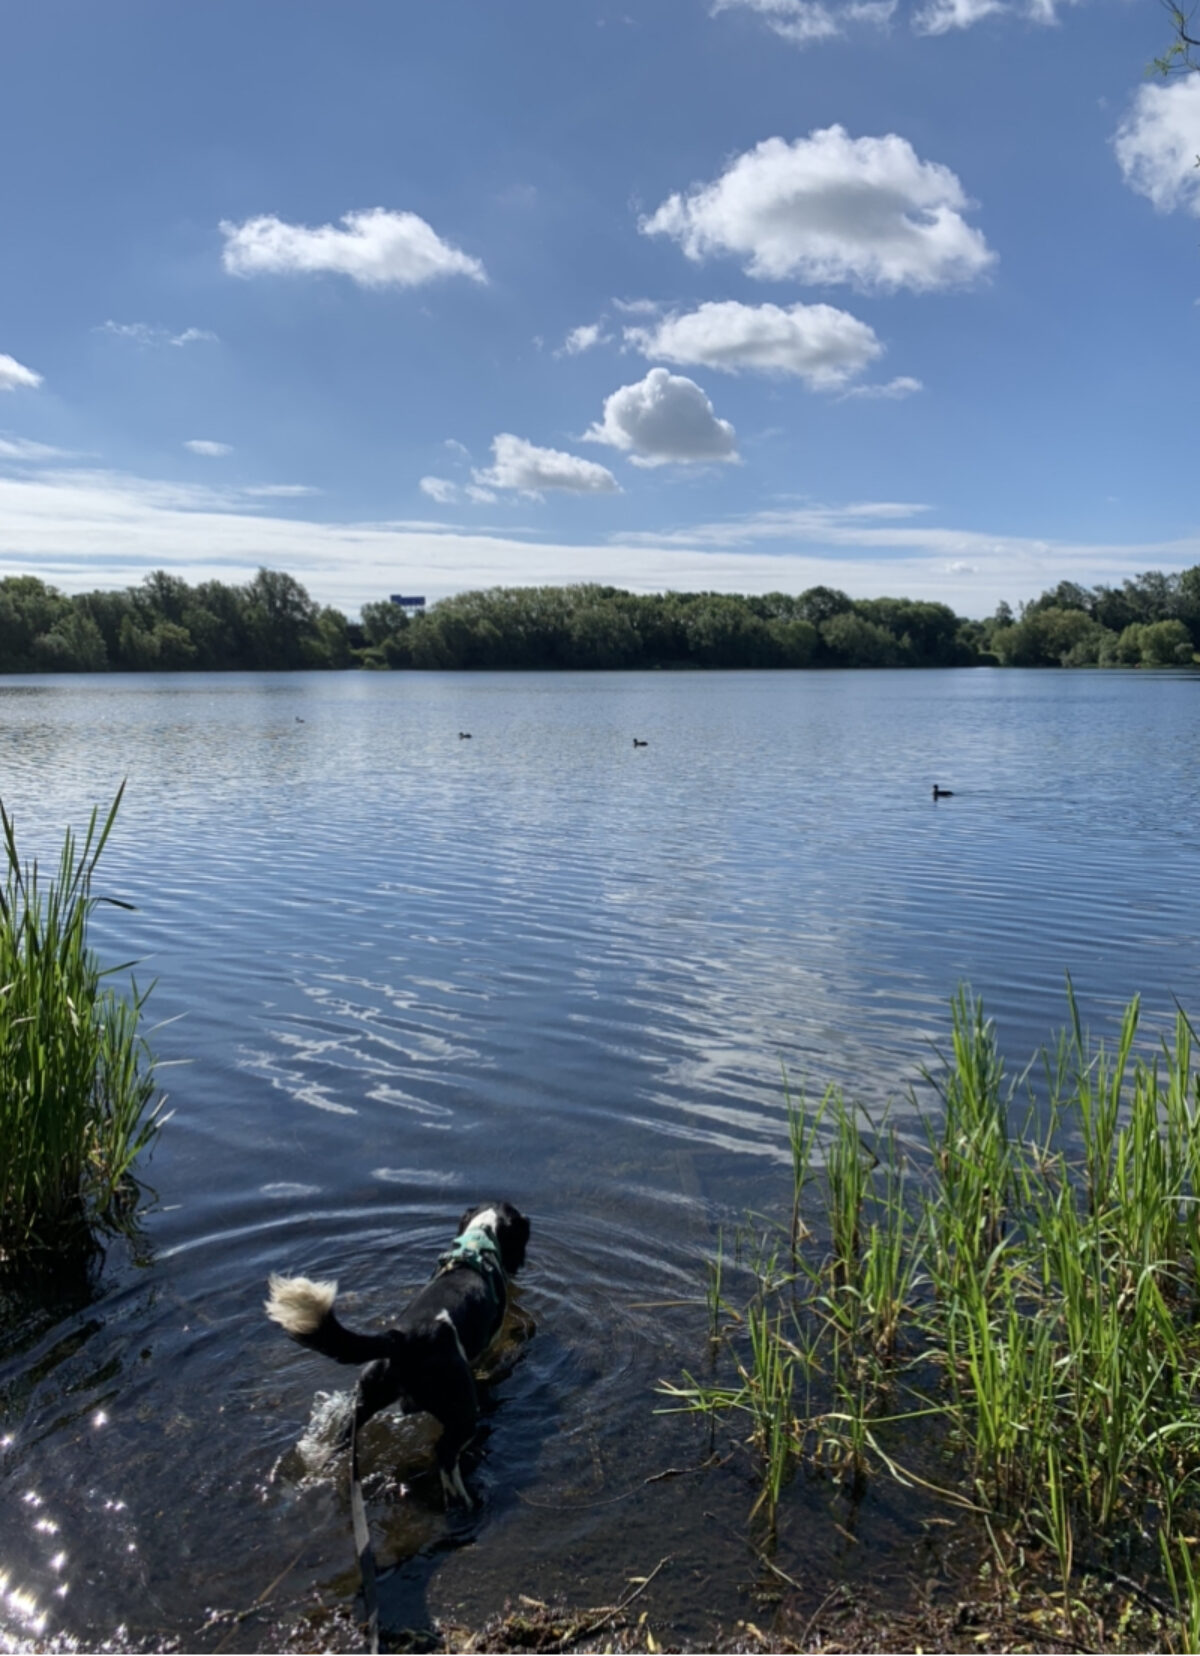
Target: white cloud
x,y
377,248
140,333
457,448
130,525
152,333
14,376
940,16
517,464
661,419
23,448
798,21
282,491
206,446
831,208
439,489
801,22
583,338
481,497
1158,144
818,343
894,389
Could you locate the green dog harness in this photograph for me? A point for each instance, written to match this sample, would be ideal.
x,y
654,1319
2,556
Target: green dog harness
x,y
477,1249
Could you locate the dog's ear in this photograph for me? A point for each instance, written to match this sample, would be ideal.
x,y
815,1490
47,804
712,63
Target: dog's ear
x,y
512,1238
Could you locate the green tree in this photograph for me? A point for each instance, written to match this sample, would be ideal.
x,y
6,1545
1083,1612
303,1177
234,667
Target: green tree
x,y
173,646
29,609
603,635
1187,600
1049,638
74,644
165,597
1066,595
925,634
108,610
821,603
853,641
217,618
722,632
331,647
1128,649
281,619
383,621
137,646
795,642
1164,643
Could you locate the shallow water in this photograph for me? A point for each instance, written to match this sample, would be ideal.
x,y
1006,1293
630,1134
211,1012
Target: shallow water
x,y
410,971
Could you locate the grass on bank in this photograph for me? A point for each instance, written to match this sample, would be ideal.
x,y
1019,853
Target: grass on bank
x,y
76,1075
1001,1311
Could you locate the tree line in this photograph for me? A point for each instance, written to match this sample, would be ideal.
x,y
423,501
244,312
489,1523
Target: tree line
x,y
271,622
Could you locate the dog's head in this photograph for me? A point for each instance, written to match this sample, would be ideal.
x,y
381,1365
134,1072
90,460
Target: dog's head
x,y
508,1228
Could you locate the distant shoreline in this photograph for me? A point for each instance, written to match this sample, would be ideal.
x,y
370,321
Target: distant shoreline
x,y
271,624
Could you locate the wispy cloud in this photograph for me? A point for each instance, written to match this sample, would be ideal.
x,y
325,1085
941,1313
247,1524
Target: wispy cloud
x,y
584,338
23,448
806,22
940,16
375,248
14,376
281,491
206,446
130,525
153,334
893,390
803,22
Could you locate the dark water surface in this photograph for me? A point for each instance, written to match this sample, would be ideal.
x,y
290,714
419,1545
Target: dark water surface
x,y
411,971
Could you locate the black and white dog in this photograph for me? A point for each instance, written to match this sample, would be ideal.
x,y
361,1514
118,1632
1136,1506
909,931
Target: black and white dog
x,y
425,1362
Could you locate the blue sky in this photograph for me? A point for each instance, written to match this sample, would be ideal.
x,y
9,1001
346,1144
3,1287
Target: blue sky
x,y
896,295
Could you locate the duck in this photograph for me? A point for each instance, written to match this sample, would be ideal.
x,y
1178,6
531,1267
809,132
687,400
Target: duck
x,y
464,735
637,742
942,793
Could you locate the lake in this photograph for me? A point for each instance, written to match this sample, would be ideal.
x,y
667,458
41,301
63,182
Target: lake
x,y
400,971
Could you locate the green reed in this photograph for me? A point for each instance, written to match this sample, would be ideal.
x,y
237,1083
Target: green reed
x,y
76,1075
1024,1280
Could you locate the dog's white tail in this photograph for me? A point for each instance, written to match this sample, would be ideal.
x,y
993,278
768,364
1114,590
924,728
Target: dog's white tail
x,y
298,1304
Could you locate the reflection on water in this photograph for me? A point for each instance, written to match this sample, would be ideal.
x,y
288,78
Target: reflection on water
x,y
415,972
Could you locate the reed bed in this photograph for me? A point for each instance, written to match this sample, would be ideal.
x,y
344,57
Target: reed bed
x,y
77,1103
1001,1308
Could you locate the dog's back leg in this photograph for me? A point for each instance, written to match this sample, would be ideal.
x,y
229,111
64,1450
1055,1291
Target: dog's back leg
x,y
458,1410
444,1387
